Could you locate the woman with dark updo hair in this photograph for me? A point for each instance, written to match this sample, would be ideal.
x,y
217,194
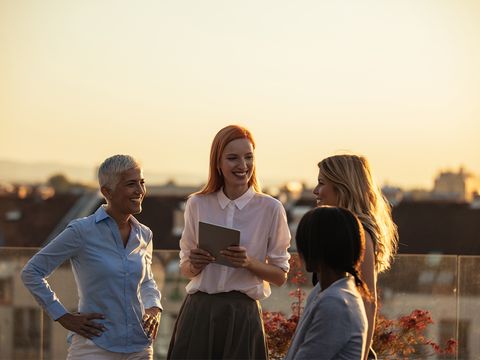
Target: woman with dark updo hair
x,y
331,243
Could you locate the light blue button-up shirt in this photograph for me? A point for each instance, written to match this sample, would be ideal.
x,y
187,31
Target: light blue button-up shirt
x,y
111,279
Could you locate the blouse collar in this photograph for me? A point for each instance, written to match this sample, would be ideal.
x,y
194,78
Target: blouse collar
x,y
239,202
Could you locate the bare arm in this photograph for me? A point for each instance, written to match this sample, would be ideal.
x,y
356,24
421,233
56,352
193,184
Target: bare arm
x,y
267,272
239,258
187,271
370,277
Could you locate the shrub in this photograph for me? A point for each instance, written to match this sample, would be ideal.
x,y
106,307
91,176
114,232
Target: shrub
x,y
279,329
402,338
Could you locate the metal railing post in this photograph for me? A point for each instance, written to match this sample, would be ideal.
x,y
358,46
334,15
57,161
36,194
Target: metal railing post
x,y
40,357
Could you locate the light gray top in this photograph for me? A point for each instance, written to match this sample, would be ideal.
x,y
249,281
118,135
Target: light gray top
x,y
333,324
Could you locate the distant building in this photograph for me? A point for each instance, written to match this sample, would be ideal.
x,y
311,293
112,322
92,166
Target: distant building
x,y
27,220
171,189
447,287
455,186
417,195
438,227
296,207
425,227
393,194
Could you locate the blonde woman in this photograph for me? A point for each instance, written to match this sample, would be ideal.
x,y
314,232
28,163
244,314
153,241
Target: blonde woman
x,y
346,181
221,317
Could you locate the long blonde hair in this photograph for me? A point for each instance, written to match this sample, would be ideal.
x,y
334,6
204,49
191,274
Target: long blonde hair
x,y
352,179
224,136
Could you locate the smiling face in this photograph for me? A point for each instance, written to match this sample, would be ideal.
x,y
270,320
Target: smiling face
x,y
325,192
236,165
127,196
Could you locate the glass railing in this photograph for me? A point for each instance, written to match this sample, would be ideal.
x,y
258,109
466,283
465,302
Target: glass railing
x,y
448,287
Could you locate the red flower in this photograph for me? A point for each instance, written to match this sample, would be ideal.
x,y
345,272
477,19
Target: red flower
x,y
401,338
404,337
279,329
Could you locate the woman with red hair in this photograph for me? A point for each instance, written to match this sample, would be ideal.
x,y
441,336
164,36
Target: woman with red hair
x,y
221,316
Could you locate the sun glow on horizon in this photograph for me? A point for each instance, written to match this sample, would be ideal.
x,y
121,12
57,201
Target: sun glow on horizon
x,y
395,81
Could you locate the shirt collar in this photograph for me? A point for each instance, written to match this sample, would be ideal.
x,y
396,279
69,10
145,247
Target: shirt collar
x,y
101,215
240,202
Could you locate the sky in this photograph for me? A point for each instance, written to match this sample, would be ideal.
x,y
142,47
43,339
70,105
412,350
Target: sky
x,y
395,81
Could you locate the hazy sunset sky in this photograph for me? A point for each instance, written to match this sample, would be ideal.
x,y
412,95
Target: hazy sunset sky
x,y
396,81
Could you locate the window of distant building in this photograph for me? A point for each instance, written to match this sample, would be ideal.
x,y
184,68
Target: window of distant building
x,y
426,277
13,215
6,290
178,220
26,329
296,214
446,277
30,332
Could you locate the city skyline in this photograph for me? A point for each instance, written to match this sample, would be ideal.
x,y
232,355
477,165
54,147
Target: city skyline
x,y
39,173
396,82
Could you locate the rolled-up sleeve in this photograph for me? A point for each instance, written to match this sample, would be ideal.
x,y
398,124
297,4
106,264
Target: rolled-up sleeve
x,y
279,240
151,296
188,240
41,265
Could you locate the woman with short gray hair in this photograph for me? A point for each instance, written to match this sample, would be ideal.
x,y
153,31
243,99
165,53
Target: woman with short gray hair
x,y
111,255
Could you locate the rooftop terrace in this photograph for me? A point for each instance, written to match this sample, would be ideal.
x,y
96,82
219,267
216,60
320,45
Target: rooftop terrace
x,y
447,286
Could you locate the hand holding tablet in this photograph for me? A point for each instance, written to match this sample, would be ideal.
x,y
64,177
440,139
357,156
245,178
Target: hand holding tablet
x,y
215,238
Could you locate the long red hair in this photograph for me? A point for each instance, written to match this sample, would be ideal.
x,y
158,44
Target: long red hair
x,y
224,136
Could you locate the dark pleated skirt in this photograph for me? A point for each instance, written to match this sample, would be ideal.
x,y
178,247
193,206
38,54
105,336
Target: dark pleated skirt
x,y
218,326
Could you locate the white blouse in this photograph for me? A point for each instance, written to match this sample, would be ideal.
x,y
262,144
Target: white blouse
x,y
264,232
